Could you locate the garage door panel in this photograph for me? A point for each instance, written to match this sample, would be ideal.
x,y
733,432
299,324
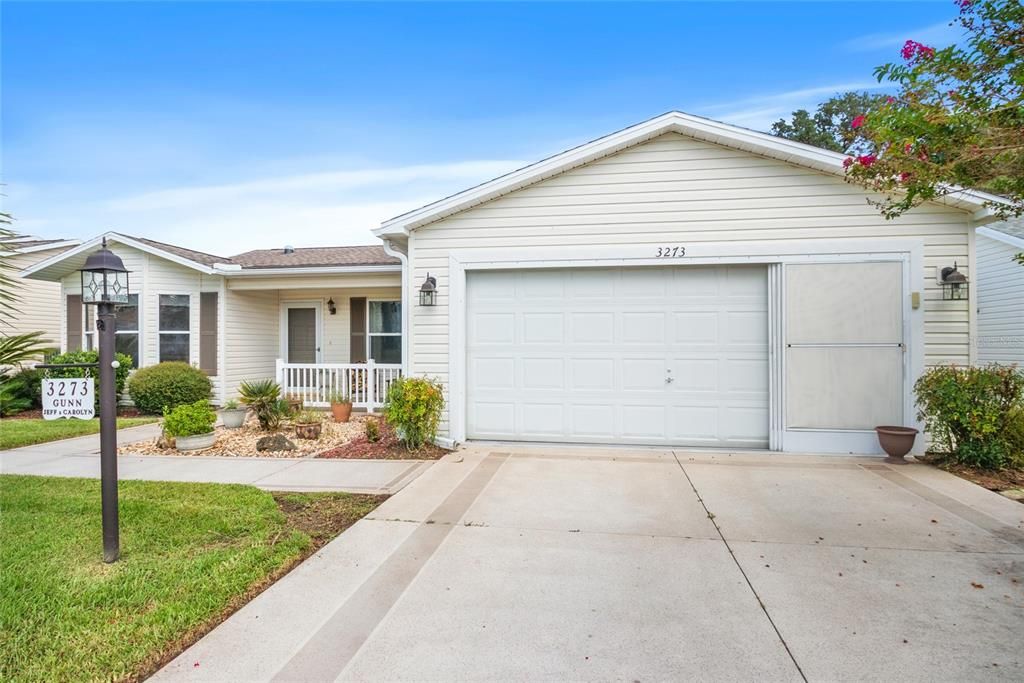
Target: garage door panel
x,y
623,333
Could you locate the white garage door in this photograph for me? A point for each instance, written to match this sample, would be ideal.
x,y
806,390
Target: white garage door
x,y
667,355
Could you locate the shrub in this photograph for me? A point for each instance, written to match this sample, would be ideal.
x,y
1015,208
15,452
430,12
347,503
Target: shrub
x,y
27,385
190,419
11,401
967,411
373,430
120,374
167,385
414,409
1015,436
231,405
264,398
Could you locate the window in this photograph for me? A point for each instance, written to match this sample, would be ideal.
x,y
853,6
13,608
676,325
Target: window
x,y
174,317
126,328
384,331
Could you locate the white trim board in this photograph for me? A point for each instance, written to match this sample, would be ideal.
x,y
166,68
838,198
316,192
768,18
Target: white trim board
x,y
1000,236
910,251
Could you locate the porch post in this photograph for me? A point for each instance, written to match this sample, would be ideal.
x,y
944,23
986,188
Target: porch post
x,y
371,385
279,373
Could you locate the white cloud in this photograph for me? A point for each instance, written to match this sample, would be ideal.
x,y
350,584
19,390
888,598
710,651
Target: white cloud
x,y
760,111
315,208
938,35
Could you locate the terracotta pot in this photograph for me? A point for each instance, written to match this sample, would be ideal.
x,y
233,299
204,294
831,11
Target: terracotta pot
x,y
294,405
308,431
341,411
896,441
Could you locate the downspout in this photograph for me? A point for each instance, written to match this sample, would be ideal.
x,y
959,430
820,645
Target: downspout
x,y
391,250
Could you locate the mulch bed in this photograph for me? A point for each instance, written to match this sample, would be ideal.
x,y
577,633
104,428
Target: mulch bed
x,y
1000,480
387,447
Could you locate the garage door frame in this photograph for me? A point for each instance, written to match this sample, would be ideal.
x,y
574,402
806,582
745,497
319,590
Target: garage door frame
x,y
909,251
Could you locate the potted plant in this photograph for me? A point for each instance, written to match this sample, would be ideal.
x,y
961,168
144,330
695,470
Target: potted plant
x,y
294,403
896,442
341,406
232,414
308,424
191,425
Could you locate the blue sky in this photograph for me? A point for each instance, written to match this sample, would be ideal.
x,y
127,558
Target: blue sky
x,y
232,126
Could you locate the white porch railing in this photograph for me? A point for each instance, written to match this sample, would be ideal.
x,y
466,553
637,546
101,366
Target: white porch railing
x,y
365,383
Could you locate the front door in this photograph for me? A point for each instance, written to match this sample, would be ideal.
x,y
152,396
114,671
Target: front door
x,y
302,333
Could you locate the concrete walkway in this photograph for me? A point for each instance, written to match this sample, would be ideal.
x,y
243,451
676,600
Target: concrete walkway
x,y
571,564
79,457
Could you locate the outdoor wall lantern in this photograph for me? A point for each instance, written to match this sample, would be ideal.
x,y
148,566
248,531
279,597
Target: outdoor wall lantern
x,y
954,284
104,278
428,291
331,307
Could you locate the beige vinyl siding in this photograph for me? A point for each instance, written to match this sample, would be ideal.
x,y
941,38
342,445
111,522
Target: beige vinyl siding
x,y
1000,287
674,189
251,337
149,277
39,307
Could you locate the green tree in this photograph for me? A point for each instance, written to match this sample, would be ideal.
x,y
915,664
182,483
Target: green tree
x,y
958,117
831,125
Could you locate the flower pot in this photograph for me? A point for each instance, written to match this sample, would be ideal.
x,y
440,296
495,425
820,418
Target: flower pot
x,y
194,443
233,419
294,405
341,411
896,442
308,431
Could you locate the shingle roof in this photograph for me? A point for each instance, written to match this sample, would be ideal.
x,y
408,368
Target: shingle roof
x,y
1011,226
190,254
311,257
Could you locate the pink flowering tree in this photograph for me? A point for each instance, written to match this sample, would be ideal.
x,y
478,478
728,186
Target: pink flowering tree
x,y
957,119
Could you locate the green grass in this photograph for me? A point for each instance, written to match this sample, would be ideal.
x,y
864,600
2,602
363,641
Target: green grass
x,y
16,433
191,553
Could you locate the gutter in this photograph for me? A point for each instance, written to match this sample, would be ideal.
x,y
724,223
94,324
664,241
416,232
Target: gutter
x,y
233,270
391,250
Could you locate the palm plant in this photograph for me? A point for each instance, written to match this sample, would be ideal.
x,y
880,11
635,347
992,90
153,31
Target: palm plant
x,y
17,348
263,396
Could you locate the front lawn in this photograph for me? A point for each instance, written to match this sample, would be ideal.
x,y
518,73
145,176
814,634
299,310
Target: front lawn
x,y
25,432
191,555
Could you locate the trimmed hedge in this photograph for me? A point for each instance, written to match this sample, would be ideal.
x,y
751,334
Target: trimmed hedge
x,y
165,386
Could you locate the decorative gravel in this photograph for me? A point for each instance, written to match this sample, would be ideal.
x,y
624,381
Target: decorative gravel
x,y
241,442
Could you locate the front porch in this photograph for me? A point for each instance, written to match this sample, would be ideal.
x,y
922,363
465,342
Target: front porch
x,y
366,384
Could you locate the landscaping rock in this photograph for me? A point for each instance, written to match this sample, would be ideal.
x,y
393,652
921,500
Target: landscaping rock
x,y
277,442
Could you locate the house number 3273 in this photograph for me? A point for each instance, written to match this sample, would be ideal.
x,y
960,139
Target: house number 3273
x,y
671,252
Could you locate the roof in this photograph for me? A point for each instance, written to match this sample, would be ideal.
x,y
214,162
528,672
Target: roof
x,y
28,244
691,126
313,257
190,254
1010,231
337,259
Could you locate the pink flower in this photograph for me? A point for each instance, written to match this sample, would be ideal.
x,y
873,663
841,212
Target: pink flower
x,y
912,49
866,159
905,176
847,162
890,100
857,121
908,148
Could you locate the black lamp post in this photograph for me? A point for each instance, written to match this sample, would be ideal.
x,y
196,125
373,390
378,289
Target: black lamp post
x,y
104,284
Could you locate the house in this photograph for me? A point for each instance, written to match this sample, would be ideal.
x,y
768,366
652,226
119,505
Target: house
x,y
684,282
1000,285
681,282
39,303
313,318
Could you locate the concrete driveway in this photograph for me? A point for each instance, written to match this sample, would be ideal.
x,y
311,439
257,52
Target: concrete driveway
x,y
571,564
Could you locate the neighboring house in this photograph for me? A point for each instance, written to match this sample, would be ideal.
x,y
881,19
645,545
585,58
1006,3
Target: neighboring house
x,y
246,316
684,282
1000,285
39,303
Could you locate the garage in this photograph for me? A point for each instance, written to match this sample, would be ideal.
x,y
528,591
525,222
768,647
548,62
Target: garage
x,y
654,355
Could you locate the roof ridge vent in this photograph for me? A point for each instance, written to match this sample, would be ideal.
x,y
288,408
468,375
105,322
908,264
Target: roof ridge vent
x,y
289,249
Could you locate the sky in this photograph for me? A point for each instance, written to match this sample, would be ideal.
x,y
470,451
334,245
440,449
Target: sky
x,y
233,126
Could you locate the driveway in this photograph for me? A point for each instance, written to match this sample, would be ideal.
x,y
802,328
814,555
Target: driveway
x,y
572,564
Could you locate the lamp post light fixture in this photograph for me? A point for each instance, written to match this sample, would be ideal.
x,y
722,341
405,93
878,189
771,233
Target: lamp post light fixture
x,y
954,284
105,284
428,291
